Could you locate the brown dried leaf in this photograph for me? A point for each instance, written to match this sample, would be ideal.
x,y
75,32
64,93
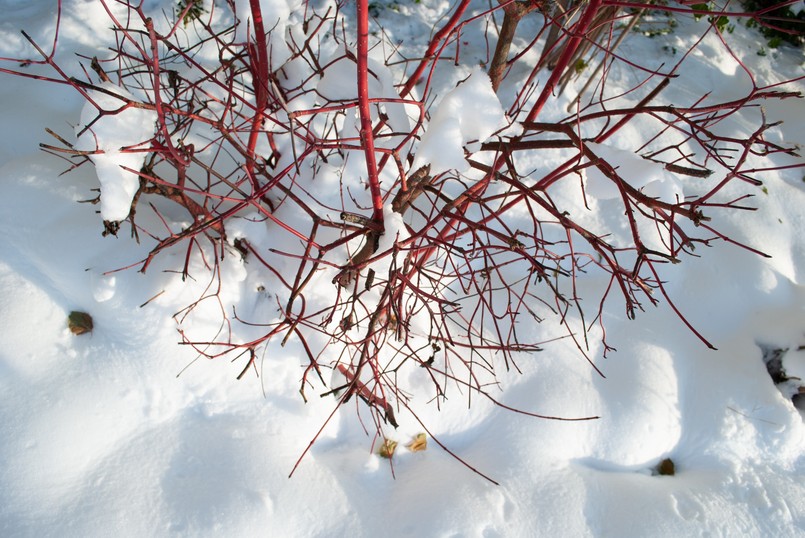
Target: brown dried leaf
x,y
666,467
79,322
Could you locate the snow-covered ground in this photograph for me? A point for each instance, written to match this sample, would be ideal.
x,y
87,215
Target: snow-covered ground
x,y
122,432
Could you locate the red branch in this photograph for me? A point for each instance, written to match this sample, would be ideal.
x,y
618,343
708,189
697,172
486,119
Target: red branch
x,y
482,258
364,107
259,69
569,49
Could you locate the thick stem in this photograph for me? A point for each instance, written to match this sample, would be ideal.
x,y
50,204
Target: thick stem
x,y
568,52
259,69
511,18
364,108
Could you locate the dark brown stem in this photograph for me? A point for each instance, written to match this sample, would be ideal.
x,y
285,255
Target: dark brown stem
x,y
512,14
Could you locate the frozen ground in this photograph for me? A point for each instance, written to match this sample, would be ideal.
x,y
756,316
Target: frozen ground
x,y
122,432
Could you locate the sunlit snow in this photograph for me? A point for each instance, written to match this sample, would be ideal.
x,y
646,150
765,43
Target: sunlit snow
x,y
123,432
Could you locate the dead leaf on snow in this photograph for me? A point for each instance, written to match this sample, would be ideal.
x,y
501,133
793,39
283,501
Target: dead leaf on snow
x,y
419,443
79,322
387,448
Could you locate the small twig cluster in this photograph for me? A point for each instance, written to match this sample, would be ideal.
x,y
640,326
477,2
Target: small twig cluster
x,y
430,270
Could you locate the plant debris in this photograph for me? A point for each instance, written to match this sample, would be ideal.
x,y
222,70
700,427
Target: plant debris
x,y
387,449
666,467
418,444
79,322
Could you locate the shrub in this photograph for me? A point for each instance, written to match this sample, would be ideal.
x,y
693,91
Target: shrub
x,y
440,238
778,21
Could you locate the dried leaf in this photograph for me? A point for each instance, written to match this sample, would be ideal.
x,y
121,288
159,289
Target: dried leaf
x,y
666,467
387,448
79,322
419,443
390,416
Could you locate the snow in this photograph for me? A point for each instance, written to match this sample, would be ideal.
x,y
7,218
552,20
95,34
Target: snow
x,y
276,14
470,112
122,431
116,135
649,177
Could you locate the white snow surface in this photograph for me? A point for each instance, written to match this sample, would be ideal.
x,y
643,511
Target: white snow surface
x,y
122,432
120,134
469,113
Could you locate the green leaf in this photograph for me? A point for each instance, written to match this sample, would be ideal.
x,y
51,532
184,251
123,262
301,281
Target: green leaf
x,y
699,8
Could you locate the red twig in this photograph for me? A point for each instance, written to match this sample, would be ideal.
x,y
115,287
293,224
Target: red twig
x,y
480,255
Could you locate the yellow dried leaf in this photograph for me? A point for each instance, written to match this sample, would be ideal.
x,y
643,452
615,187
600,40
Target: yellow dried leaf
x,y
419,443
387,448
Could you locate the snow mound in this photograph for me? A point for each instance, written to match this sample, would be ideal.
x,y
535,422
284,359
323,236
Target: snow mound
x,y
649,177
470,112
119,135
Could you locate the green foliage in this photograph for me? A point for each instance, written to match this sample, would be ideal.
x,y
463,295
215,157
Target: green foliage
x,y
779,25
376,8
656,24
775,42
700,8
196,9
722,22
